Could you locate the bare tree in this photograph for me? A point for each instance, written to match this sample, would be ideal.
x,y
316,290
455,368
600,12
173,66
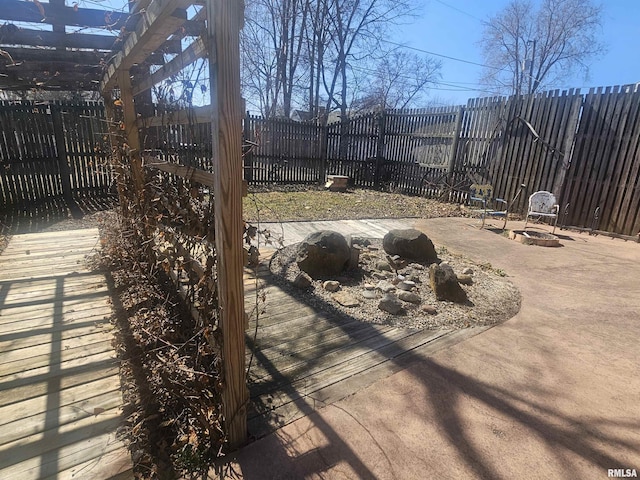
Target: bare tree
x,y
400,80
315,54
527,49
356,28
272,45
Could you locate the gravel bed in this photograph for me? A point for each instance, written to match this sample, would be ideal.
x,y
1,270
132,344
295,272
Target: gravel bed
x,y
492,297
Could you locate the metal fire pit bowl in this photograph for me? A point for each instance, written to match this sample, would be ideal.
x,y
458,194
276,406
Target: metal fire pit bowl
x,y
529,237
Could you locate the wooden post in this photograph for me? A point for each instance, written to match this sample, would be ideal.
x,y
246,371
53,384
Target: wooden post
x,y
132,134
380,148
61,148
225,20
119,170
454,144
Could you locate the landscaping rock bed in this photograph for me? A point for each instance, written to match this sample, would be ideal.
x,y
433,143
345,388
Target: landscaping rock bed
x,y
374,292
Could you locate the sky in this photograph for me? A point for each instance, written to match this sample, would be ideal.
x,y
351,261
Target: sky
x,y
453,28
450,30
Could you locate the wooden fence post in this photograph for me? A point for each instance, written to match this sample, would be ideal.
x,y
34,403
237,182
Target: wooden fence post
x,y
380,148
61,149
324,146
453,154
248,155
567,147
225,20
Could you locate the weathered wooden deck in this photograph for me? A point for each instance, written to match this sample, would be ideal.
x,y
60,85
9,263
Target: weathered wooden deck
x,y
302,358
60,399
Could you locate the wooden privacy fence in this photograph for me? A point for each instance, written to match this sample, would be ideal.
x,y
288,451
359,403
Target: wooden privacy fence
x,y
52,150
583,148
604,173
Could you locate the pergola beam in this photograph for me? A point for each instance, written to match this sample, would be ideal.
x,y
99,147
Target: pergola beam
x,y
21,11
47,38
48,81
26,55
192,53
161,19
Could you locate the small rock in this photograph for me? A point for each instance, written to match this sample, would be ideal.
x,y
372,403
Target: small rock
x,y
354,260
385,287
391,304
444,263
369,294
400,277
444,284
406,285
414,279
410,297
383,266
372,248
380,275
302,281
417,266
331,286
368,286
430,309
365,242
467,271
346,300
396,262
465,279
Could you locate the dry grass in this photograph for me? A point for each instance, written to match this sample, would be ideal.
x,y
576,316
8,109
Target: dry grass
x,y
273,206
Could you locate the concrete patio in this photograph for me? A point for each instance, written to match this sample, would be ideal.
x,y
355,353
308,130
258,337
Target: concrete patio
x,y
552,393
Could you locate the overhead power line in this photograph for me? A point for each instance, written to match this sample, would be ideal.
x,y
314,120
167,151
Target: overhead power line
x,y
459,10
440,55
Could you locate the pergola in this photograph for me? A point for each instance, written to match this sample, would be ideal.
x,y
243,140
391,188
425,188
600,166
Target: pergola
x,y
59,47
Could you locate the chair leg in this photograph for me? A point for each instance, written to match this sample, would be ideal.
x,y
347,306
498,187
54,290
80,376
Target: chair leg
x,y
554,225
526,221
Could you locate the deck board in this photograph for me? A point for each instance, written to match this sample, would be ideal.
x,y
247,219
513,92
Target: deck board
x,y
60,398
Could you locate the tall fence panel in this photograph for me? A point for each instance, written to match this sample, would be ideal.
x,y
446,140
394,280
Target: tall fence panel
x,y
605,166
534,144
172,138
87,147
53,150
284,151
28,154
425,137
352,149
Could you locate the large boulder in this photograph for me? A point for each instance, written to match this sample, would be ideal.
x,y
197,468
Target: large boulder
x,y
444,284
411,244
323,254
